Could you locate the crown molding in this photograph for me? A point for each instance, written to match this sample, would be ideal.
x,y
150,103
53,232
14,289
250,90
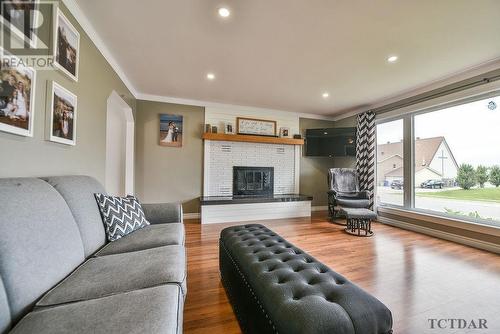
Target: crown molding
x,y
178,100
101,46
211,104
83,21
89,29
317,116
468,73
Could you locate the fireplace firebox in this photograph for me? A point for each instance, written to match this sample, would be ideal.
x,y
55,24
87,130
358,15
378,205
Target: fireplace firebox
x,y
253,181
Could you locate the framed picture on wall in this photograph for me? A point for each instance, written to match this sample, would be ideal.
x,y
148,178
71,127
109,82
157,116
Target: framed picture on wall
x,y
67,46
284,132
21,18
63,112
17,96
253,126
171,130
228,128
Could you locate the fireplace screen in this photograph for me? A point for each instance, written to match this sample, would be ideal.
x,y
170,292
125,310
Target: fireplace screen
x,y
253,181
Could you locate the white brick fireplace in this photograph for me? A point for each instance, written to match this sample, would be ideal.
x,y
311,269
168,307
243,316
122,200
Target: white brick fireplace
x,y
221,156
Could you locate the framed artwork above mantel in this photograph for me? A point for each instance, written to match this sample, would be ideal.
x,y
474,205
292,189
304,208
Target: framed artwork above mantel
x,y
256,127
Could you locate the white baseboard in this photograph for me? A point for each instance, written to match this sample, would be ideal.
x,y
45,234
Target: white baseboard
x,y
491,247
193,215
319,208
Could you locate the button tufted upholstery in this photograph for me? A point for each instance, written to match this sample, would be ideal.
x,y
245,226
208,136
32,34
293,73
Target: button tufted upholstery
x,y
275,287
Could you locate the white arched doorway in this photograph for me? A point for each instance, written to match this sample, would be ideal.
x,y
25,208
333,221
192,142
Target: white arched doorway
x,y
119,147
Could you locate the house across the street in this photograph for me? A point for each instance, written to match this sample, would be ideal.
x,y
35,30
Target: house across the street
x,y
433,161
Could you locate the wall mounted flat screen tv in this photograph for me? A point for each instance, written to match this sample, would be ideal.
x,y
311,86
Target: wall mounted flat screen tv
x,y
332,142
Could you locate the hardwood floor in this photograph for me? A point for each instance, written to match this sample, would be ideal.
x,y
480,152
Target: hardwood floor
x,y
418,277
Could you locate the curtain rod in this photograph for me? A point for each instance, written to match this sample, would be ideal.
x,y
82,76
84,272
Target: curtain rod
x,y
439,92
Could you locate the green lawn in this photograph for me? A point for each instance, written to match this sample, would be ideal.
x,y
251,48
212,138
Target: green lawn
x,y
483,195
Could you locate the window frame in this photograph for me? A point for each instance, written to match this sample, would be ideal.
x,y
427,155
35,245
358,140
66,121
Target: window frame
x,y
377,123
408,116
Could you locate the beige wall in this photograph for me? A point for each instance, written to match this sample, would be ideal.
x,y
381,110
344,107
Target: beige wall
x,y
25,156
314,170
346,162
165,174
169,174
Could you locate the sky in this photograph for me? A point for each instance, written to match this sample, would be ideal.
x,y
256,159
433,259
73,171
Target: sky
x,y
471,130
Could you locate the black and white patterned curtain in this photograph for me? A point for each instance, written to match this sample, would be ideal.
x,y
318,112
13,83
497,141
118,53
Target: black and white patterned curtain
x,y
365,152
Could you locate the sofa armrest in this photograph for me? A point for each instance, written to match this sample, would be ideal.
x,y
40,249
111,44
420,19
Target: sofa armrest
x,y
163,213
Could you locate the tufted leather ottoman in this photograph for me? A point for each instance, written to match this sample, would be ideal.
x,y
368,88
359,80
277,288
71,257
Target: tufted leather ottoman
x,y
275,287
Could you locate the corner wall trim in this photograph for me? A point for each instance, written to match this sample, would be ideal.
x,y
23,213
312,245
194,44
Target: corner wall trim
x,y
87,26
488,246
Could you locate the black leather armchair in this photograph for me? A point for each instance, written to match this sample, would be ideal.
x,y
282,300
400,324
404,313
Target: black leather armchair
x,y
344,191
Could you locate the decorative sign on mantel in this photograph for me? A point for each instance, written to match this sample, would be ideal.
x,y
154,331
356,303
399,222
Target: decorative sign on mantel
x,y
258,127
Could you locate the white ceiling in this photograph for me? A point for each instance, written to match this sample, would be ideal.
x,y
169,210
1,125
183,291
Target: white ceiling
x,y
283,54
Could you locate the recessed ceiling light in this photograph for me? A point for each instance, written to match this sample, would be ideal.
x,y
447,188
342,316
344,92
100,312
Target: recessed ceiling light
x,y
224,12
392,59
326,95
210,76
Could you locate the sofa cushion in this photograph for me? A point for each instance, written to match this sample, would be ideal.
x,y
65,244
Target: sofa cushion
x,y
353,203
78,192
111,274
148,237
40,243
121,215
153,310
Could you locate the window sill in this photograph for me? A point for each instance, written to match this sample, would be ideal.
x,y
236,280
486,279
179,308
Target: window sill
x,y
436,219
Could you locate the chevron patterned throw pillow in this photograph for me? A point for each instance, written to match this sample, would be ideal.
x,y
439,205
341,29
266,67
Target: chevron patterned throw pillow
x,y
121,215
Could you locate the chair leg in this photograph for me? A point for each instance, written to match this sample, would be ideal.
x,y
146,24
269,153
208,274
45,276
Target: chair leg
x,y
331,212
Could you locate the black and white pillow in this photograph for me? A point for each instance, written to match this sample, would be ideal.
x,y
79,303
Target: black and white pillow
x,y
121,215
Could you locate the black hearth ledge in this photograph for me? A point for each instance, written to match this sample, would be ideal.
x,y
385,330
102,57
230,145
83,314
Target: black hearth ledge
x,y
217,200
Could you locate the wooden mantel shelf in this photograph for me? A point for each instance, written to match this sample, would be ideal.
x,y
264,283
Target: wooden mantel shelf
x,y
252,139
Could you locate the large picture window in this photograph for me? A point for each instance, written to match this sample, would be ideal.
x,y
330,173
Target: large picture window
x,y
455,161
390,163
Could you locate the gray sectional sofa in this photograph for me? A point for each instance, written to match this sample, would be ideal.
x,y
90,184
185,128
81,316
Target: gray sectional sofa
x,y
59,275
